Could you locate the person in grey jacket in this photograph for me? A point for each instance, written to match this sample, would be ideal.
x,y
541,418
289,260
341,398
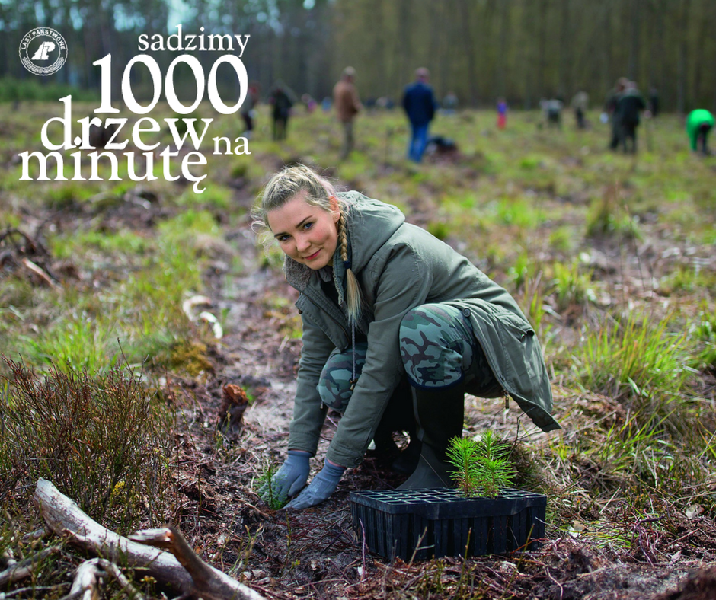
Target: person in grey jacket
x,y
385,304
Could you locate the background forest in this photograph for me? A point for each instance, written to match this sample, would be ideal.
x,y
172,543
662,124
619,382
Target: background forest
x,y
479,49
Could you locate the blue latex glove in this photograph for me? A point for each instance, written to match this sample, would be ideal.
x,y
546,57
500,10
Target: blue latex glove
x,y
322,486
291,477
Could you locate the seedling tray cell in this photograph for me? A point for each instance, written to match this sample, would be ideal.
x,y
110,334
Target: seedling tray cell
x,y
432,523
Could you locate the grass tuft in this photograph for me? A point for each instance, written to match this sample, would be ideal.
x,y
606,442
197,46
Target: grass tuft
x,y
636,354
607,218
640,362
704,331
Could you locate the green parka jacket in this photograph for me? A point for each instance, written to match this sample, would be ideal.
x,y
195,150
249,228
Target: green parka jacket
x,y
401,266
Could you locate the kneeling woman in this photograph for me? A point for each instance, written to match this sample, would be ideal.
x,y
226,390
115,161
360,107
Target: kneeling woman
x,y
385,304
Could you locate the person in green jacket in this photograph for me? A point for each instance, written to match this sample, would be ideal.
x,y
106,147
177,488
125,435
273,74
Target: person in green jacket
x,y
698,125
386,306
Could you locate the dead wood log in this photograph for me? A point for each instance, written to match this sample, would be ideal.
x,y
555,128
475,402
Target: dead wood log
x,y
25,568
64,517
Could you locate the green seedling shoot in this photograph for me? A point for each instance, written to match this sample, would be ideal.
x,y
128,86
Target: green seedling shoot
x,y
480,465
267,490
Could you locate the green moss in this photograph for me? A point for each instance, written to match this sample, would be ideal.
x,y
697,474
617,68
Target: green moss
x,y
190,357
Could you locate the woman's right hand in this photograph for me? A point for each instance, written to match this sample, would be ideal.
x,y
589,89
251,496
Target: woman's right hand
x,y
290,479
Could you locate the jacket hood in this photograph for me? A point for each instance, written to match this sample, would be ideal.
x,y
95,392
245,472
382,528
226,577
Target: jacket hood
x,y
371,223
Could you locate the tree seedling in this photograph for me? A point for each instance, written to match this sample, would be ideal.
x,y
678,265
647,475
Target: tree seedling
x,y
480,465
266,488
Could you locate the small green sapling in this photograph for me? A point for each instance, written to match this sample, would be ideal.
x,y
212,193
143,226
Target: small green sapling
x,y
266,487
482,465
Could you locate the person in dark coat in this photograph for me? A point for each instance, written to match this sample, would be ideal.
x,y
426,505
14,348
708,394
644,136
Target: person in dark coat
x,y
610,108
629,107
580,104
653,102
552,112
419,106
280,111
248,110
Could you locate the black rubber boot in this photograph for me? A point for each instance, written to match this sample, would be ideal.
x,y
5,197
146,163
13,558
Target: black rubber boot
x,y
398,416
440,414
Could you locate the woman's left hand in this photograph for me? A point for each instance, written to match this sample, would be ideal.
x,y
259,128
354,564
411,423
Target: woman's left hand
x,y
322,486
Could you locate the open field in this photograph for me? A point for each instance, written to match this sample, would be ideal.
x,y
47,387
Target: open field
x,y
610,256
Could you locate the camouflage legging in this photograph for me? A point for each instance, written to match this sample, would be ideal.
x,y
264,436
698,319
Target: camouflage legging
x,y
438,350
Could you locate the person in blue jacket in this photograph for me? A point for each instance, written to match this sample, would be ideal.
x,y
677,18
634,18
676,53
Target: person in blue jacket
x,y
419,106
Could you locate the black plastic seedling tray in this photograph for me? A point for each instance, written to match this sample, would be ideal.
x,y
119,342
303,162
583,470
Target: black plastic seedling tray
x,y
431,523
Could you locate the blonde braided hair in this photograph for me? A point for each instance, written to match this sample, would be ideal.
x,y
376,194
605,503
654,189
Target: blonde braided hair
x,y
354,297
281,188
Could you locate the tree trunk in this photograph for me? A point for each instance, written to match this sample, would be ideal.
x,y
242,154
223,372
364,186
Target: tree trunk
x,y
527,21
502,64
403,47
682,76
700,70
567,51
608,74
469,50
634,42
542,48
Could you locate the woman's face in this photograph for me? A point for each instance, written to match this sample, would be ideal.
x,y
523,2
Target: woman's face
x,y
306,233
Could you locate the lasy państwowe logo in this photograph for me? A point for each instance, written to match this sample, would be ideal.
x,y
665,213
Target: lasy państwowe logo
x,y
43,51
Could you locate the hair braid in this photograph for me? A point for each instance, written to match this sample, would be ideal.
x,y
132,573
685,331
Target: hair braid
x,y
353,291
343,237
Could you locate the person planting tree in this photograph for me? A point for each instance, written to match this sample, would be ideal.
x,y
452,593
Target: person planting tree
x,y
397,327
699,124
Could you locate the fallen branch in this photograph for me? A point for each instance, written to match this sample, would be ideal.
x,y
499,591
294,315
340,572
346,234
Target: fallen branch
x,y
112,569
38,534
33,590
209,582
87,580
33,268
34,247
89,576
25,568
64,517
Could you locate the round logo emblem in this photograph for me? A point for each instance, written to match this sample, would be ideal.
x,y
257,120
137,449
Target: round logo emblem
x,y
43,51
